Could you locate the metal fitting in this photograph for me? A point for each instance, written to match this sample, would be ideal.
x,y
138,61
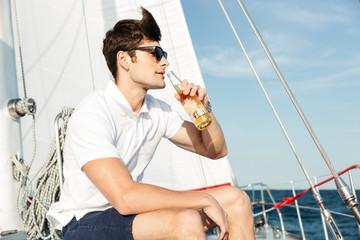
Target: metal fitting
x,y
20,107
345,192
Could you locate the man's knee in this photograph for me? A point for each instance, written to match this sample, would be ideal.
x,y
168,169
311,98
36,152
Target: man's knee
x,y
239,200
190,225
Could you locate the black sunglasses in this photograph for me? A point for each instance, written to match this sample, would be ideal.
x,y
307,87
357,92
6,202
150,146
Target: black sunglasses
x,y
158,51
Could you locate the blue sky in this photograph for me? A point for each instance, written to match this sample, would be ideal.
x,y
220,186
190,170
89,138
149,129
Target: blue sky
x,y
316,46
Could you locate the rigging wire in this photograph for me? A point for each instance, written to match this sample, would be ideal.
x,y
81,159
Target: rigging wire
x,y
329,220
290,200
288,90
273,206
266,95
343,190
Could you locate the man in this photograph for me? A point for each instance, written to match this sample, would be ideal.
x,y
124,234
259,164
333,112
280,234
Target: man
x,y
111,138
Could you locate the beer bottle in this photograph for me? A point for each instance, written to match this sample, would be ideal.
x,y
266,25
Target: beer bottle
x,y
192,105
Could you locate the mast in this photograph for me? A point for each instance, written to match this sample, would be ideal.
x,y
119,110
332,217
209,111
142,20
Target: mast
x,y
10,137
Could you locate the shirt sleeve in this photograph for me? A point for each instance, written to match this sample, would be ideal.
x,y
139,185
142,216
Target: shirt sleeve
x,y
173,120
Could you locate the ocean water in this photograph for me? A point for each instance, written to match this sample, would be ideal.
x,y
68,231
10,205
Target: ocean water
x,y
311,219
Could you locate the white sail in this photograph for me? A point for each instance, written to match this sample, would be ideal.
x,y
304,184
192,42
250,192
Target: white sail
x,y
10,142
61,44
61,69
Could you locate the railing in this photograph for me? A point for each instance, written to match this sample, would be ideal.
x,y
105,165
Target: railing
x,y
266,207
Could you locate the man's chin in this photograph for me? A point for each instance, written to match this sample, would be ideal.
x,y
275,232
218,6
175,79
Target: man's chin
x,y
156,87
160,86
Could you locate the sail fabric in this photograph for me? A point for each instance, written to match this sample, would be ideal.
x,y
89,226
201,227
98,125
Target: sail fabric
x,y
10,130
61,43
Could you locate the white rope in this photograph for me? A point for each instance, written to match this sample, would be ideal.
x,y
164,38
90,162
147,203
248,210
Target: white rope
x,y
34,202
32,210
19,46
20,167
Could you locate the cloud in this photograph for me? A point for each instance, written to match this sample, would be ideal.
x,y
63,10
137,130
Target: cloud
x,y
327,71
318,17
340,78
224,63
231,63
314,60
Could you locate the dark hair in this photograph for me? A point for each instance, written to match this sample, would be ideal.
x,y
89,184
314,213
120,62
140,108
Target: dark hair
x,y
128,34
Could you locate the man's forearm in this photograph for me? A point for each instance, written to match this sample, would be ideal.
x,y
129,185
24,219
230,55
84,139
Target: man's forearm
x,y
112,178
141,198
214,140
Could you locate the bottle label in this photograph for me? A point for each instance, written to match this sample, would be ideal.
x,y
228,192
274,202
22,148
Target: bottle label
x,y
198,113
192,108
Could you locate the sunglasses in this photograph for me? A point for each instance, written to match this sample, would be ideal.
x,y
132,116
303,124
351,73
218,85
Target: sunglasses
x,y
158,51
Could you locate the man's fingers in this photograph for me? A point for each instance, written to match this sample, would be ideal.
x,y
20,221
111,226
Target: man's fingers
x,y
193,89
224,232
177,96
190,89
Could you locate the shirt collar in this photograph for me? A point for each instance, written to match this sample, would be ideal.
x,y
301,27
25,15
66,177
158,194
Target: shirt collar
x,y
145,106
115,97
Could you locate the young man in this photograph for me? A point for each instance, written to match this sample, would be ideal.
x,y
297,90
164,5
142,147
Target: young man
x,y
111,138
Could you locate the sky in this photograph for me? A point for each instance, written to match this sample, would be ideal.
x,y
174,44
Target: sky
x,y
316,47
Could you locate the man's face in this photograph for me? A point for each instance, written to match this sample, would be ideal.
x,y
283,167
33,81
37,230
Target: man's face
x,y
146,70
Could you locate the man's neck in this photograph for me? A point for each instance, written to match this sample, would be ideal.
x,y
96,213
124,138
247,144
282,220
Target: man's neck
x,y
134,95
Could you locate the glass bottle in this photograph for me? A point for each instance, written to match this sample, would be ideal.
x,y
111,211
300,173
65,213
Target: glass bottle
x,y
192,105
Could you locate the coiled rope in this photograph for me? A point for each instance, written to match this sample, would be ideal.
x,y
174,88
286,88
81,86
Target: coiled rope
x,y
34,202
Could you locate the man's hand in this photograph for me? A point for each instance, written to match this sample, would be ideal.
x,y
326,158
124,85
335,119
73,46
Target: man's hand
x,y
217,214
192,90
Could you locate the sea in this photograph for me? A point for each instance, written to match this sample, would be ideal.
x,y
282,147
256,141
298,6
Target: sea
x,y
311,219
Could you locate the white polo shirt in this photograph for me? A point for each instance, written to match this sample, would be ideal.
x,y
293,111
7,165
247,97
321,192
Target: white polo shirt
x,y
104,125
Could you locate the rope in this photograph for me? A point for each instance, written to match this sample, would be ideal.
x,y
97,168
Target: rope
x,y
32,210
290,200
20,167
46,190
20,51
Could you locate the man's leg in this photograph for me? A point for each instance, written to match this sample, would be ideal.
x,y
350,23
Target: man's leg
x,y
185,224
236,204
190,224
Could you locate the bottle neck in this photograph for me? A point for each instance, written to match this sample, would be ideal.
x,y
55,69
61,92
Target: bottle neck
x,y
175,80
177,87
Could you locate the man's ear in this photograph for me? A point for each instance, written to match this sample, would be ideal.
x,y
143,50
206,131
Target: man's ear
x,y
123,59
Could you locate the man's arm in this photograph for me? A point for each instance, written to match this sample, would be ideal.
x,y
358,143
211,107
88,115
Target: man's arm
x,y
113,179
209,142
